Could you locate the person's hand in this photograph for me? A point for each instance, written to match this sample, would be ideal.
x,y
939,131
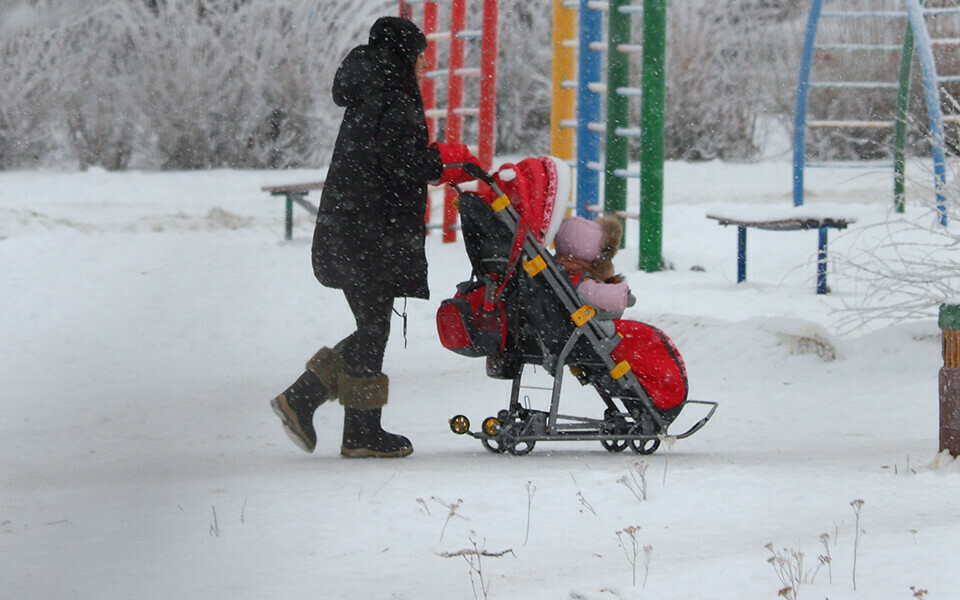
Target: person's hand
x,y
453,157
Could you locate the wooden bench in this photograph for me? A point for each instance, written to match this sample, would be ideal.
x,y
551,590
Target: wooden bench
x,y
296,193
785,223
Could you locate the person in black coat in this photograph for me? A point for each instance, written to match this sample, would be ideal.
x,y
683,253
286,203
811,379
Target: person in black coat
x,y
370,233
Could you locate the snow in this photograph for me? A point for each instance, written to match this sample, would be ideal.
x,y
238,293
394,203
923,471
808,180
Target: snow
x,y
148,318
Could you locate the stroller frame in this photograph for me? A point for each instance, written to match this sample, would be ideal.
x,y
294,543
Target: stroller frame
x,y
639,424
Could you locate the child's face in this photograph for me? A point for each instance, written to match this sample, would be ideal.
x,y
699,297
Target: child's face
x,y
571,264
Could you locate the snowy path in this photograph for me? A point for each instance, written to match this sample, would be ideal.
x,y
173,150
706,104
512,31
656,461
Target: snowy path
x,y
148,318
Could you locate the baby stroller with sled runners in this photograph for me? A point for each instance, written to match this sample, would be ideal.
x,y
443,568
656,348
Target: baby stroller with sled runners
x,y
519,308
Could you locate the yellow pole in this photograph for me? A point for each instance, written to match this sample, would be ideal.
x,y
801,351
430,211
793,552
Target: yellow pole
x,y
564,97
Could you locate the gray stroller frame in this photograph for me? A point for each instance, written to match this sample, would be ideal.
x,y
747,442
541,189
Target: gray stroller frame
x,y
639,424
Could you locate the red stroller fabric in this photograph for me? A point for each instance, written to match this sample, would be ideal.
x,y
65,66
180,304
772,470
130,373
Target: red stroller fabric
x,y
531,185
654,360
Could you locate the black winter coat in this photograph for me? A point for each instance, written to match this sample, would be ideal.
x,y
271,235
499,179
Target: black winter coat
x,y
370,225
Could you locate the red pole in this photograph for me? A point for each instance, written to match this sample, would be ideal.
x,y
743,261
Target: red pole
x,y
458,20
428,87
406,11
488,85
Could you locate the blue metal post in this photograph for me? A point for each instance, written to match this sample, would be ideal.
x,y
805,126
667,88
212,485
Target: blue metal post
x,y
822,262
932,94
741,253
800,116
588,109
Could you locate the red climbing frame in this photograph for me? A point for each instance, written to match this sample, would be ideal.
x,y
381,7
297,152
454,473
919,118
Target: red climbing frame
x,y
454,112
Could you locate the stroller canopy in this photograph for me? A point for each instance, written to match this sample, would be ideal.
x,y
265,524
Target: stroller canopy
x,y
539,190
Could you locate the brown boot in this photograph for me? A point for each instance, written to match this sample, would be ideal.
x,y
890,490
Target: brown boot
x,y
363,436
297,404
295,407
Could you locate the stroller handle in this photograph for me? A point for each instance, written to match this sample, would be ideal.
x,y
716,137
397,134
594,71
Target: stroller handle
x,y
477,172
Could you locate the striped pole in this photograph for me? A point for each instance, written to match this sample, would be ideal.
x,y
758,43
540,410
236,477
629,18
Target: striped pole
x,y
618,108
588,109
800,113
488,85
932,95
900,122
563,104
651,142
428,87
949,322
454,131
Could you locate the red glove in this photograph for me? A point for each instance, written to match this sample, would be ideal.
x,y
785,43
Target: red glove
x,y
454,154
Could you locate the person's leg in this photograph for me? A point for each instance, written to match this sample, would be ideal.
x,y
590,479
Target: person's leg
x,y
363,349
363,387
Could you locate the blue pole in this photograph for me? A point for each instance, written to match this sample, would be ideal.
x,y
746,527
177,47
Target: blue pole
x,y
932,94
800,116
741,253
588,109
822,261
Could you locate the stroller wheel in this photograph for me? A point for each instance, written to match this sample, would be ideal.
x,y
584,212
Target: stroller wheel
x,y
644,446
614,445
492,439
493,445
459,424
491,426
521,448
614,425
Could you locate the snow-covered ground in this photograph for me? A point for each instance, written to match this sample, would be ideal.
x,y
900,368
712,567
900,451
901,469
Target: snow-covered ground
x,y
147,319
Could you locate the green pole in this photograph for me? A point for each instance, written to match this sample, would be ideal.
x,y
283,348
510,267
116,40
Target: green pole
x,y
618,107
651,128
900,121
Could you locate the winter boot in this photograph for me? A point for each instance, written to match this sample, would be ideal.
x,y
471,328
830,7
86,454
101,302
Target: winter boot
x,y
296,405
363,436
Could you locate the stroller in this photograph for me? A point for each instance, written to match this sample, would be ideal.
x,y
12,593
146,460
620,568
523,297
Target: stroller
x,y
519,308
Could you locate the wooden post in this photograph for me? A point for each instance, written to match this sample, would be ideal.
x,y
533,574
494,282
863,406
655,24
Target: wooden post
x,y
950,380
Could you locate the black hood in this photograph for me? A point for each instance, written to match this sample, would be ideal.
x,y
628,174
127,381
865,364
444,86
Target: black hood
x,y
387,62
400,36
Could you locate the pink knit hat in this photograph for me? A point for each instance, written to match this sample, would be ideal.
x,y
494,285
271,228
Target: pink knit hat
x,y
588,240
580,238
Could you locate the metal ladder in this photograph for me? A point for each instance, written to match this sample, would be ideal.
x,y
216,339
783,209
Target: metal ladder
x,y
844,23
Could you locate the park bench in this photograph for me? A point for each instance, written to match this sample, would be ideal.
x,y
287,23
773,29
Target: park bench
x,y
799,220
294,194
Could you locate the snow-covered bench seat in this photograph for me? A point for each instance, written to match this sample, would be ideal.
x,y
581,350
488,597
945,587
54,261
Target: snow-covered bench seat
x,y
783,219
295,193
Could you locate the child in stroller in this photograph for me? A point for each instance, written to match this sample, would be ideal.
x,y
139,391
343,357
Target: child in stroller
x,y
520,307
585,249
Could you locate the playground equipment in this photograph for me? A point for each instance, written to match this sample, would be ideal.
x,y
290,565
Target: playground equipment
x,y
455,75
613,133
916,35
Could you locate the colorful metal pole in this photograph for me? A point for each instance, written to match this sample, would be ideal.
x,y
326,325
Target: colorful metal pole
x,y
563,105
900,121
932,94
454,130
588,109
618,109
822,261
428,87
950,380
488,85
800,113
651,142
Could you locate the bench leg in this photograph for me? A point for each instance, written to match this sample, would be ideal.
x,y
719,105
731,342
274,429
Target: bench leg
x,y
741,254
822,262
288,221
